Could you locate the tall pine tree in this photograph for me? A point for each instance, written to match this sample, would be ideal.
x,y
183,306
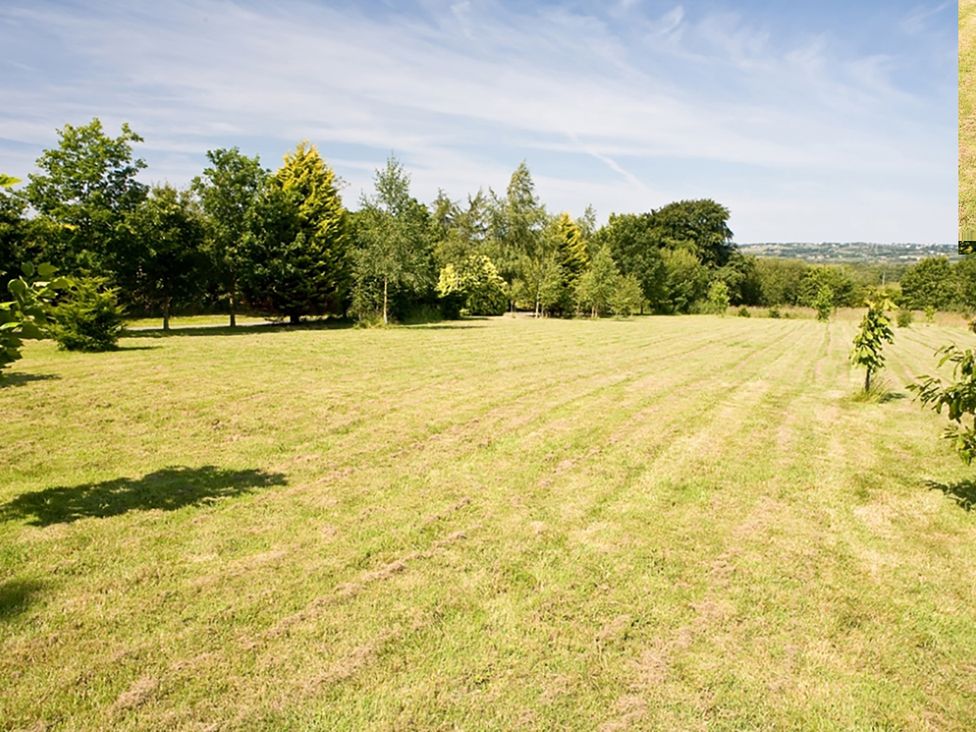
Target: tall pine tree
x,y
295,250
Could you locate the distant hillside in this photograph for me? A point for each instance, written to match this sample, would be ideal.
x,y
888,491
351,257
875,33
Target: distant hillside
x,y
851,252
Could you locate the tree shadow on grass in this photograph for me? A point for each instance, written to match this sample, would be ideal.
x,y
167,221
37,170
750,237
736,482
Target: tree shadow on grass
x,y
15,596
167,490
22,379
226,330
962,492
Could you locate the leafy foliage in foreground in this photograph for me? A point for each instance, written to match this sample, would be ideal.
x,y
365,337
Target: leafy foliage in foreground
x,y
28,314
957,396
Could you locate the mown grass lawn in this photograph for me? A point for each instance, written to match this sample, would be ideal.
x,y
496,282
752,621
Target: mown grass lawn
x,y
967,120
663,523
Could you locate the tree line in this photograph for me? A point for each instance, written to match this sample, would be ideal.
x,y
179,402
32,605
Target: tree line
x,y
282,243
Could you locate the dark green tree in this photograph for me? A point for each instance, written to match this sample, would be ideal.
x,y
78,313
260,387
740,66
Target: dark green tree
x,y
780,280
228,189
699,226
930,282
165,265
294,255
634,247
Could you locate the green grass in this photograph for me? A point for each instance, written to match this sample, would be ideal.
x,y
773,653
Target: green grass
x,y
967,120
663,523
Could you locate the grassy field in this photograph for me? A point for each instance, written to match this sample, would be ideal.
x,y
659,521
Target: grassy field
x,y
680,523
967,119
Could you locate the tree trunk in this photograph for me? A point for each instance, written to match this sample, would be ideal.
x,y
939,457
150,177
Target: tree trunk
x,y
166,314
867,380
233,313
294,318
385,299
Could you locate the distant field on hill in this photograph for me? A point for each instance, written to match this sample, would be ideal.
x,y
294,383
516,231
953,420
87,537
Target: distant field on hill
x,y
852,252
661,523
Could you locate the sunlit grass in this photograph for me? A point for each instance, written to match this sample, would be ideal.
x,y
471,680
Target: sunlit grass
x,y
967,120
661,523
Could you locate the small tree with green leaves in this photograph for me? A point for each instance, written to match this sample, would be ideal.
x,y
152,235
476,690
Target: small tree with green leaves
x,y
395,251
958,396
596,286
869,342
627,298
718,298
27,315
823,303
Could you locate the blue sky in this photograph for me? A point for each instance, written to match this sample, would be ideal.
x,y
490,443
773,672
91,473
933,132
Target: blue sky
x,y
811,121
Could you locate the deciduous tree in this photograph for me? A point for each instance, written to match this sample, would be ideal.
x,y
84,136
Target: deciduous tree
x,y
597,285
165,265
228,189
395,251
85,187
873,333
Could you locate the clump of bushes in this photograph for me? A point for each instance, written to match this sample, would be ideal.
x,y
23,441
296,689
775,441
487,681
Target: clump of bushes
x,y
87,317
774,312
744,312
904,318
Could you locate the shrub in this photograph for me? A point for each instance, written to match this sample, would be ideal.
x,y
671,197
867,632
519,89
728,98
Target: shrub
x,y
774,312
929,314
88,317
744,312
904,318
823,303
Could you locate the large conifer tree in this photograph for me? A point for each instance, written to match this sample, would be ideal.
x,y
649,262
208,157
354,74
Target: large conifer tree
x,y
295,249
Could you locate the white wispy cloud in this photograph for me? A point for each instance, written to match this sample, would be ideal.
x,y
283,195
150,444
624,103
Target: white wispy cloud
x,y
462,91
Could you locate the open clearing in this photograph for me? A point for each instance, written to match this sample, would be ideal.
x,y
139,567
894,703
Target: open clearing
x,y
663,523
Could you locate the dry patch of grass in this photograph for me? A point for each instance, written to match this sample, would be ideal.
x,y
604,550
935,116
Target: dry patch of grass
x,y
662,523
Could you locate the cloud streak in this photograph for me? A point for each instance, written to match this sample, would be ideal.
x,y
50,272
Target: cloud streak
x,y
626,108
